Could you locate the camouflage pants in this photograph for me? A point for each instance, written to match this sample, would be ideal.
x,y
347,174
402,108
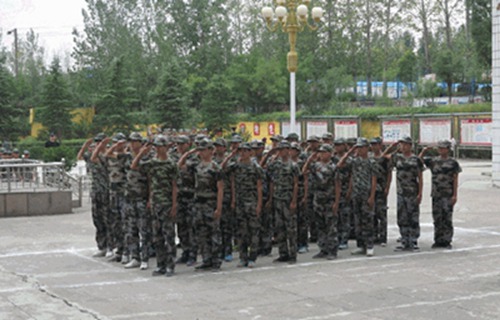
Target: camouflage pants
x,y
266,231
207,230
100,213
117,221
408,219
344,221
442,215
227,226
140,229
327,226
302,225
185,224
364,223
310,220
286,228
248,231
380,217
164,235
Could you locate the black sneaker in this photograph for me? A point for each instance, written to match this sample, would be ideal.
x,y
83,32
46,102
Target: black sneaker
x,y
160,271
331,257
320,255
191,262
292,260
182,259
435,246
216,269
203,267
169,272
403,248
282,259
448,246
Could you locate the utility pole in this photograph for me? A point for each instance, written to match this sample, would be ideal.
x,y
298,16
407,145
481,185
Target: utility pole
x,y
16,51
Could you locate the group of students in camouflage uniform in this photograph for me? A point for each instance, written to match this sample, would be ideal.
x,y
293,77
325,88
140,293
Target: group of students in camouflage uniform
x,y
223,194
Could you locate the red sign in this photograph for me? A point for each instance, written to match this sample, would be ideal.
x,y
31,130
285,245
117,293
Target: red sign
x,y
256,129
243,128
270,129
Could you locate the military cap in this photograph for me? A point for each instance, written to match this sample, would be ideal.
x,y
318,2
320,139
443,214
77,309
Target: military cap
x,y
292,136
204,144
99,137
257,144
327,136
236,139
362,142
16,150
284,145
313,139
405,139
2,150
7,151
376,140
339,141
182,139
444,144
160,140
119,137
245,145
135,136
220,142
26,152
199,137
276,137
295,145
325,148
351,141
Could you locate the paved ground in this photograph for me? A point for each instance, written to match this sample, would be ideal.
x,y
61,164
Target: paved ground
x,y
47,272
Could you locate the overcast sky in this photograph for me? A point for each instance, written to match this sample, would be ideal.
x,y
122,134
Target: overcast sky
x,y
52,20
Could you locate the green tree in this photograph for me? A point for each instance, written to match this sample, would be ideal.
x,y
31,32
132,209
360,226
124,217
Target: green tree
x,y
449,68
218,106
56,102
481,30
170,97
9,121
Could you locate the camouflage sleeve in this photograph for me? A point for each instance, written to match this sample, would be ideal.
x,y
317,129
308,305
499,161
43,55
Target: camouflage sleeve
x,y
145,165
218,172
428,161
175,170
260,172
420,164
458,168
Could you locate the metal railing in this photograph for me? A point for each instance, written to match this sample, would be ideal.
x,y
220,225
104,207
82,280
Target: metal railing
x,y
22,175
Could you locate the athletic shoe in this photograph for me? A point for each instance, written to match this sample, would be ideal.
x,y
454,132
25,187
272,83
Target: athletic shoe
x,y
134,263
144,265
370,252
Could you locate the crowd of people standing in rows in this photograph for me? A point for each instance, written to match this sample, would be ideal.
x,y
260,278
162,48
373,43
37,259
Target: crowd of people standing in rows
x,y
216,195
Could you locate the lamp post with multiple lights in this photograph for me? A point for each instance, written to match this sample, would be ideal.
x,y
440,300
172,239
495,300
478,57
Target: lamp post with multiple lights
x,y
292,17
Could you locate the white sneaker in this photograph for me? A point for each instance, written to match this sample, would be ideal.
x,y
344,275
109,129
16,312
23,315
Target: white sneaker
x,y
370,252
358,251
125,259
383,244
109,254
144,265
99,254
132,264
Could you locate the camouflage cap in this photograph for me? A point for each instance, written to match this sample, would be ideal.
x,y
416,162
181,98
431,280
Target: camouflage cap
x,y
257,144
362,142
204,144
245,145
376,140
325,148
313,139
277,138
119,137
339,141
351,141
199,137
284,145
295,146
444,144
2,150
160,141
406,139
99,137
135,136
16,150
327,136
236,139
7,151
182,139
26,152
292,136
221,142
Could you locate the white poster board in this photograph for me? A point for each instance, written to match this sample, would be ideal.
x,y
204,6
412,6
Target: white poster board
x,y
433,130
475,132
393,130
346,129
285,128
316,128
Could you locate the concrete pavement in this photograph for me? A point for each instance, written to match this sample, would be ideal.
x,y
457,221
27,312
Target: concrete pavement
x,y
47,272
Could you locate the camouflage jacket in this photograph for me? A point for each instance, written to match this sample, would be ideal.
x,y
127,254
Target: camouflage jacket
x,y
362,174
116,170
344,176
282,175
185,180
443,172
246,176
161,173
407,172
137,180
381,167
324,176
98,172
206,178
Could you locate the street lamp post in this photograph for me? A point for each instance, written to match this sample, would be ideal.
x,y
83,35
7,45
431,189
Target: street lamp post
x,y
292,18
16,50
